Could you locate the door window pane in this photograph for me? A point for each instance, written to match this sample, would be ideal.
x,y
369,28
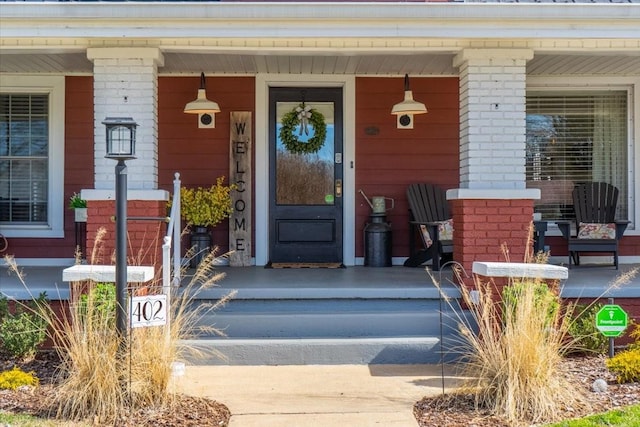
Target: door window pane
x,y
305,178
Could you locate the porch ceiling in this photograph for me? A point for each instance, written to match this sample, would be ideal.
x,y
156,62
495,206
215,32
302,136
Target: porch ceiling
x,y
438,64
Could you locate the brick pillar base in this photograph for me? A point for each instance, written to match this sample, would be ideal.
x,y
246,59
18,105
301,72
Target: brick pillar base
x,y
484,228
144,246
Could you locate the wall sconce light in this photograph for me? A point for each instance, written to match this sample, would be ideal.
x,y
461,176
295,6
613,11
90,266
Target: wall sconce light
x,y
121,138
408,106
201,105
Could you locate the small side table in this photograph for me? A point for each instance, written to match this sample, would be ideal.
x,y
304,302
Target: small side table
x,y
539,228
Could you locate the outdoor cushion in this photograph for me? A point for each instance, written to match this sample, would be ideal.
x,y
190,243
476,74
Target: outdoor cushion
x,y
590,230
445,232
445,229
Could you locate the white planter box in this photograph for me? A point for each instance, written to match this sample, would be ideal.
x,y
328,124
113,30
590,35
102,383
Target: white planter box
x,y
81,214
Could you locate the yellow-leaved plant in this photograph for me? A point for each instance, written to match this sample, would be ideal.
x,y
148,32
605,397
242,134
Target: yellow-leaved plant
x,y
206,207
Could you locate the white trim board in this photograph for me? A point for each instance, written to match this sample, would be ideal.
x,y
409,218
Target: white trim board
x,y
261,178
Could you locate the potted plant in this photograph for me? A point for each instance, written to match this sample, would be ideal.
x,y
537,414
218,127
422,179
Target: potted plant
x,y
79,206
203,208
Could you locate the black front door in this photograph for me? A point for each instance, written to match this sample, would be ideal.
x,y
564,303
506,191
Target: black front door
x,y
305,175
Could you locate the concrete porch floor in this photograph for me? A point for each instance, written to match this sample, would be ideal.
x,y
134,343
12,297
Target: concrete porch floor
x,y
354,315
587,281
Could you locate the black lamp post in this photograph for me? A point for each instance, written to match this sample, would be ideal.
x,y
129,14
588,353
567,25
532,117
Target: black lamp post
x,y
121,144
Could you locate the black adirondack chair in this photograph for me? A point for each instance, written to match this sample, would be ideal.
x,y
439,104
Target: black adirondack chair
x,y
428,207
594,204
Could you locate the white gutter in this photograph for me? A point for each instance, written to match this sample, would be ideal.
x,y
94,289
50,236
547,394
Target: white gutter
x,y
317,11
313,20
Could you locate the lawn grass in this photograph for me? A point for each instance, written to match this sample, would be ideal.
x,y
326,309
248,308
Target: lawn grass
x,y
23,420
625,417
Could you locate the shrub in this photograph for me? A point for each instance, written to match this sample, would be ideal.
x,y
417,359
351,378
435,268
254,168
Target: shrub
x,y
583,331
21,335
4,307
11,380
100,301
626,366
543,299
635,335
25,330
206,207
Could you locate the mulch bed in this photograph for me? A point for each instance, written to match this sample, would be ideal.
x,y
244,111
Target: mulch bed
x,y
183,410
448,410
458,410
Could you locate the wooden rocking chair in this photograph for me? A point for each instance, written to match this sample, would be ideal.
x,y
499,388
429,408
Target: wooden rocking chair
x,y
597,230
430,218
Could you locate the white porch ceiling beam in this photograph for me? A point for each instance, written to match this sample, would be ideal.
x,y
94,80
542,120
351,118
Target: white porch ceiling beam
x,y
324,47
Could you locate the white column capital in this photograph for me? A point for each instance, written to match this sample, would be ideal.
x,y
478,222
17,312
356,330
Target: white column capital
x,y
467,55
492,194
153,53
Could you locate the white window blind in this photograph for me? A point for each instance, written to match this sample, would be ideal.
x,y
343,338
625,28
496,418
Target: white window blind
x,y
575,137
24,162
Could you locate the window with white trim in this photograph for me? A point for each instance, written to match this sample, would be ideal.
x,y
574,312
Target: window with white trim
x,y
24,158
31,156
575,137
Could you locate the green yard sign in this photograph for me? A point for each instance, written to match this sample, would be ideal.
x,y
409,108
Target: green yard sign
x,y
611,320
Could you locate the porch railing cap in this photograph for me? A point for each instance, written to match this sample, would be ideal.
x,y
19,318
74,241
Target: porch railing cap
x,y
520,270
106,273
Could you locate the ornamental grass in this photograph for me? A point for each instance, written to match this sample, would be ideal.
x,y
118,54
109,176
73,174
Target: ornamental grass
x,y
512,345
513,358
102,376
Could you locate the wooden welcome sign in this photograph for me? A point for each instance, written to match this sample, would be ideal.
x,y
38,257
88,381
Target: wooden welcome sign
x,y
240,175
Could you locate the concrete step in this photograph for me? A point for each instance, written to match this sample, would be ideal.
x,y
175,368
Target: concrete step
x,y
332,324
326,351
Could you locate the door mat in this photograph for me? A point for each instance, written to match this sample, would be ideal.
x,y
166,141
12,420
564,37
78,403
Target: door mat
x,y
305,265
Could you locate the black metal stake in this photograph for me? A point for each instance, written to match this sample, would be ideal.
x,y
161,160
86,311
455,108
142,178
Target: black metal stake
x,y
611,345
454,264
121,248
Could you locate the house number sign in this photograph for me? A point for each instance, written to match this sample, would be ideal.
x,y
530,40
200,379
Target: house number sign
x,y
149,310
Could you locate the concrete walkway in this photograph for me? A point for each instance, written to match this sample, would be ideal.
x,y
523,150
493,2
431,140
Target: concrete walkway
x,y
317,395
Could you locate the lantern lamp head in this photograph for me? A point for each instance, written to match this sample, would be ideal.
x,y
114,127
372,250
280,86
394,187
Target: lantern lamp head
x,y
121,138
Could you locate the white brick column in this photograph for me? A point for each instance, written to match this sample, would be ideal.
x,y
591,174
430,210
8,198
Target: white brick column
x,y
492,117
126,85
492,207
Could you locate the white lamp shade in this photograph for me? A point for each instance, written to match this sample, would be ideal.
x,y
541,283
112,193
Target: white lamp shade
x,y
201,104
408,106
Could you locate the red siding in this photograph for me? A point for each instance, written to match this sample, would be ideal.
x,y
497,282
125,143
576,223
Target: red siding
x,y
78,165
389,159
200,155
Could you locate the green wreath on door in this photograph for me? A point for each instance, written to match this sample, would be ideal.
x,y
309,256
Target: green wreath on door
x,y
302,117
